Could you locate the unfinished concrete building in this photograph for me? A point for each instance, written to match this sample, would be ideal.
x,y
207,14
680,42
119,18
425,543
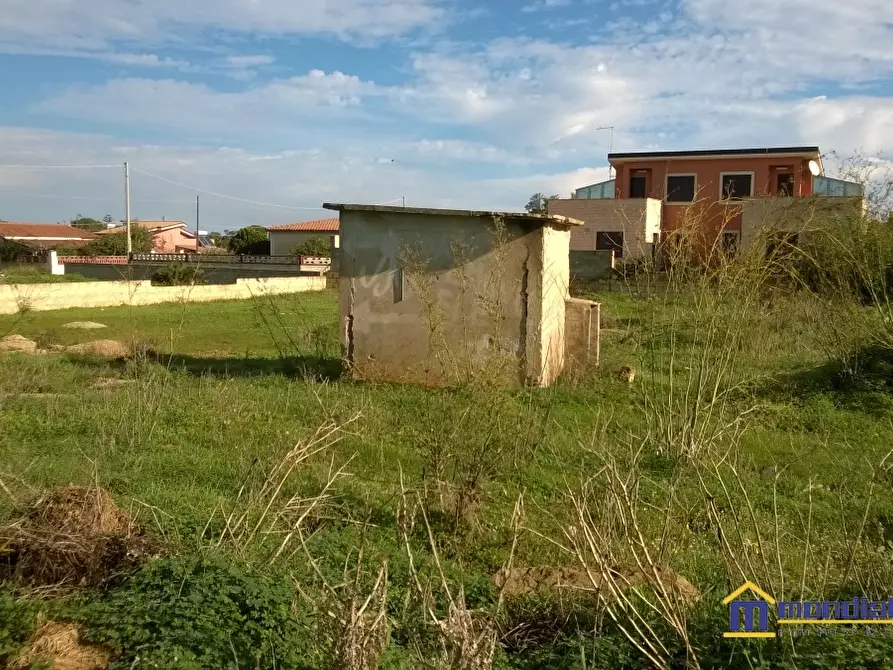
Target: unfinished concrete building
x,y
435,296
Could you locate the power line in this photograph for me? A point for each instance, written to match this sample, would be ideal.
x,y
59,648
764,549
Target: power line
x,y
56,196
57,167
222,195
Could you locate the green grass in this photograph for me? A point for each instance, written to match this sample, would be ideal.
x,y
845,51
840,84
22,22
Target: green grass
x,y
236,384
18,274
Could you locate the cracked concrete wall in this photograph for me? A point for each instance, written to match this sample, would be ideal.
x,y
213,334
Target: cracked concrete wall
x,y
554,279
432,299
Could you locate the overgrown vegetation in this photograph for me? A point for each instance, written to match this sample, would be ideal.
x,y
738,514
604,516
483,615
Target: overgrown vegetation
x,y
315,522
315,246
178,274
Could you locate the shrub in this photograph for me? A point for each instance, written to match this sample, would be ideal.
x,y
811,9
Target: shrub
x,y
115,244
250,240
315,246
16,622
178,274
188,612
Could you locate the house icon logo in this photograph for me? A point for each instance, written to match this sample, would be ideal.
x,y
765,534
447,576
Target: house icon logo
x,y
749,617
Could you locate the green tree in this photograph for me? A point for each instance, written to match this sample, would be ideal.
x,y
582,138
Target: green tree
x,y
86,223
115,244
108,218
315,246
250,240
537,203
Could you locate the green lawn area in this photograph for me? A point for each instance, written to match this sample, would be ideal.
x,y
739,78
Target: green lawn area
x,y
789,486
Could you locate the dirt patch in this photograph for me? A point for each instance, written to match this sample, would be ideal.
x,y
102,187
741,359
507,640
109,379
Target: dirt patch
x,y
61,647
84,325
528,581
102,348
16,342
75,536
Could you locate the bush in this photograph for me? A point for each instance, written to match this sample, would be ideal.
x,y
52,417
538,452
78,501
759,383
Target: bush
x,y
16,623
315,246
178,274
250,240
115,244
187,612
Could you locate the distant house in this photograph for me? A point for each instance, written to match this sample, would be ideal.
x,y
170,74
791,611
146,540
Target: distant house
x,y
285,238
728,192
24,239
168,237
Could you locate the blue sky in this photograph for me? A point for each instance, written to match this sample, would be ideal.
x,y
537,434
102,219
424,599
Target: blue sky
x,y
447,102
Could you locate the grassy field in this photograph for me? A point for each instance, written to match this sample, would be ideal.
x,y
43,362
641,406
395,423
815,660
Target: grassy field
x,y
765,463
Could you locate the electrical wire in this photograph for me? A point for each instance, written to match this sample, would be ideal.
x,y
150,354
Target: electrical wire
x,y
221,195
57,167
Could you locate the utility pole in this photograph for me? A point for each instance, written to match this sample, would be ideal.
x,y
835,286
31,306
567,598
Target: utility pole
x,y
611,150
127,207
196,224
404,202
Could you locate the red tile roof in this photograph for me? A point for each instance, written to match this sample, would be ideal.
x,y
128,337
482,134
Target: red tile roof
x,y
56,231
321,225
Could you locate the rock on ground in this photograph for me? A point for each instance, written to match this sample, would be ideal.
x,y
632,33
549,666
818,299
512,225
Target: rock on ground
x,y
84,325
103,348
17,343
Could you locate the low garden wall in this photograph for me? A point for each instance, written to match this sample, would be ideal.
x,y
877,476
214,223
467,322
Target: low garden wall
x,y
17,297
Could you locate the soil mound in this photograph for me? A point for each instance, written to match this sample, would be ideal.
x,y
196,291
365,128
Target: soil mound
x,y
102,348
73,535
16,342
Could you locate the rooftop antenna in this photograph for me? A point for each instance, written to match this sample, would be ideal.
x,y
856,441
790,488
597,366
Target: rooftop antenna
x,y
611,150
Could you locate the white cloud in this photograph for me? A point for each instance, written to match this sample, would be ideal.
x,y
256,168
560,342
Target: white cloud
x,y
99,23
199,108
241,61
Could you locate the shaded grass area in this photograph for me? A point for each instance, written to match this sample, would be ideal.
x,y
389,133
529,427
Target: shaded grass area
x,y
23,274
233,385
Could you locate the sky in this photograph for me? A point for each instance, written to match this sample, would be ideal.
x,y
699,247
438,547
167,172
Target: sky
x,y
446,103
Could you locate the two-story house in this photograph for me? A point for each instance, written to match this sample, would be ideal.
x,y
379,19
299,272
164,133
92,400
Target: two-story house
x,y
724,194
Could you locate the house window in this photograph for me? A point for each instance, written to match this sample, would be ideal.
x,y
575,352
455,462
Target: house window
x,y
730,243
736,186
784,186
637,186
680,188
610,242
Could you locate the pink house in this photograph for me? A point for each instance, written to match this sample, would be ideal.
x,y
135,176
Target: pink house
x,y
168,237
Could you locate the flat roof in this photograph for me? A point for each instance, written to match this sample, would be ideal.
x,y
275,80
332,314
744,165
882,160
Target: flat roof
x,y
812,152
390,209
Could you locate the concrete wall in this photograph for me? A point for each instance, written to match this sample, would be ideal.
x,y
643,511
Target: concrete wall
x,y
283,241
636,219
212,273
14,297
433,299
582,331
554,282
794,215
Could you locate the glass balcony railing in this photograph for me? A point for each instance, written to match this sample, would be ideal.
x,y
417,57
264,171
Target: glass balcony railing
x,y
837,188
602,191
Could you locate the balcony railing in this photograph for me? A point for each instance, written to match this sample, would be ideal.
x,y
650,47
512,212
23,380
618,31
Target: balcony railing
x,y
837,188
602,191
